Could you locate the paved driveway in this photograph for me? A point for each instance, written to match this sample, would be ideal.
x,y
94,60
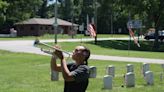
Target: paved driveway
x,y
27,47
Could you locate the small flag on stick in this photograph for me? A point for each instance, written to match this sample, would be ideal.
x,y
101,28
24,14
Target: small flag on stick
x,y
91,30
132,35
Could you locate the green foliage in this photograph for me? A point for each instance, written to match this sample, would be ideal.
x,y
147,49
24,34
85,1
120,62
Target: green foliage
x,y
3,7
43,9
151,12
19,10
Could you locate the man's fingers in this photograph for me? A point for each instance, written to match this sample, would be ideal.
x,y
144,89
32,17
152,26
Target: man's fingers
x,y
57,46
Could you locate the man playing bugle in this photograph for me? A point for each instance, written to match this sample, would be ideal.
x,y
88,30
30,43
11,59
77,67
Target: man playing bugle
x,y
75,74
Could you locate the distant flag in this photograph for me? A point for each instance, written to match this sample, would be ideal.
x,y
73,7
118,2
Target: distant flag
x,y
91,27
132,35
91,30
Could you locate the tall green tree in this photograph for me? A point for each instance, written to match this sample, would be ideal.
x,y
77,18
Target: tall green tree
x,y
104,18
19,10
150,11
43,9
68,10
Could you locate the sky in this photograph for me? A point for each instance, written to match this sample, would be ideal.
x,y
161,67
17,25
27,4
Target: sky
x,y
51,1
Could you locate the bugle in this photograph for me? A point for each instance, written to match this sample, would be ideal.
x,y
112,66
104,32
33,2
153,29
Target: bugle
x,y
37,43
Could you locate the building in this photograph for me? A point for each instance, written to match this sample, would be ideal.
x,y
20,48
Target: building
x,y
40,26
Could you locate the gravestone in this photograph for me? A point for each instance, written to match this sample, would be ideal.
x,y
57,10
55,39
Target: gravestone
x,y
145,68
161,76
149,78
129,79
107,80
92,71
162,65
162,73
54,76
110,70
129,68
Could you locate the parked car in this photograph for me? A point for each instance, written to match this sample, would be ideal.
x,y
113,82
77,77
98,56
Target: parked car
x,y
152,35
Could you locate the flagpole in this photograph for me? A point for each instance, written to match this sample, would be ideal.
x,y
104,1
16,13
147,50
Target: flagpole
x,y
129,44
82,29
55,23
129,35
95,21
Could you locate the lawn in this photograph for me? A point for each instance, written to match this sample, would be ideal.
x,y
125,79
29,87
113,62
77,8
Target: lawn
x,y
118,48
65,36
20,72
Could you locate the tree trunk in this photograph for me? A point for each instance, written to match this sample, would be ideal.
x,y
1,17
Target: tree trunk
x,y
156,43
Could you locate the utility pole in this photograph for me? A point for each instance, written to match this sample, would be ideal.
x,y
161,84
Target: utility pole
x,y
72,29
55,23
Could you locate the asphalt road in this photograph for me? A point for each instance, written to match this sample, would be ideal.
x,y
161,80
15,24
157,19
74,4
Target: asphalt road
x,y
26,46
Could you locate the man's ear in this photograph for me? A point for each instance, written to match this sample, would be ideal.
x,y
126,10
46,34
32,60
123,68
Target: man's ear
x,y
85,53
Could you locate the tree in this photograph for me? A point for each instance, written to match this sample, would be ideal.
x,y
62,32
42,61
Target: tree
x,y
19,10
43,9
150,11
104,18
3,7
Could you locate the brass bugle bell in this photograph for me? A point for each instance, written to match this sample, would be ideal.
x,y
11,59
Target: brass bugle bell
x,y
42,45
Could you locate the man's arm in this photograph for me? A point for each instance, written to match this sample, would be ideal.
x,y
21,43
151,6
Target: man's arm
x,y
65,71
54,65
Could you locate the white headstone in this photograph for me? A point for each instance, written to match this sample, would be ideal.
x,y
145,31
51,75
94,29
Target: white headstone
x,y
129,68
149,78
130,79
145,68
110,70
162,65
54,76
161,77
92,71
162,73
107,80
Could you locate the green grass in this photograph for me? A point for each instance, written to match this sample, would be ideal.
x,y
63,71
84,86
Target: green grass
x,y
118,48
20,72
60,36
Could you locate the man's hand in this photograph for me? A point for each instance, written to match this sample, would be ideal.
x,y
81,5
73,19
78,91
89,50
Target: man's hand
x,y
58,53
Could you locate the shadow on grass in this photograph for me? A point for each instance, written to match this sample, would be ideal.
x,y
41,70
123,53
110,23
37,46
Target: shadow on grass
x,y
123,45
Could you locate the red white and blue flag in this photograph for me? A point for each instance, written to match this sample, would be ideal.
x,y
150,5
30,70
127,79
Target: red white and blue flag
x,y
132,35
91,30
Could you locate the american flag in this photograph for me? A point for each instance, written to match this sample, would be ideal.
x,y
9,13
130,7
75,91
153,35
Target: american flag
x,y
132,35
91,30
